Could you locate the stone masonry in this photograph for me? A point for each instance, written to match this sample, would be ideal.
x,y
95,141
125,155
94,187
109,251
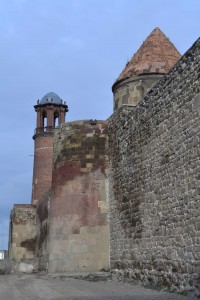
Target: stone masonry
x,y
79,232
23,238
154,196
42,241
156,56
124,193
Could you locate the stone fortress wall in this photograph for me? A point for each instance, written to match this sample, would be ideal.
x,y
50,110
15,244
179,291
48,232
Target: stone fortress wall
x,y
67,230
146,156
79,232
154,181
42,232
23,237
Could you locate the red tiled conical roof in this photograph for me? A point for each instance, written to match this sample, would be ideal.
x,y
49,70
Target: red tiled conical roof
x,y
157,55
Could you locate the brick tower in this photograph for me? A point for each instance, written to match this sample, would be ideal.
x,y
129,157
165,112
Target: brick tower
x,y
155,58
51,112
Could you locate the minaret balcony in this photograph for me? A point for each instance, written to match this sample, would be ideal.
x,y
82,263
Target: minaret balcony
x,y
44,129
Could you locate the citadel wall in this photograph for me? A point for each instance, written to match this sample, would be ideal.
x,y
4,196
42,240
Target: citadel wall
x,y
154,180
154,192
23,237
78,216
42,229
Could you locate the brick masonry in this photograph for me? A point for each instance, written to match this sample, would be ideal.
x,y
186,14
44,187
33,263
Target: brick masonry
x,y
42,171
154,181
78,232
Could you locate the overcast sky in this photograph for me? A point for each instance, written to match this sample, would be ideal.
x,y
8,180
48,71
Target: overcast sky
x,y
75,48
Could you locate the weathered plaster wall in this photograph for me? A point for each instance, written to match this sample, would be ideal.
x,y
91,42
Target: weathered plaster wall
x,y
22,237
79,234
42,220
154,151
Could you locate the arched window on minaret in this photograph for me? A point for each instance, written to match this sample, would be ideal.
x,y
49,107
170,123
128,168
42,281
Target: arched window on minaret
x,y
56,119
44,120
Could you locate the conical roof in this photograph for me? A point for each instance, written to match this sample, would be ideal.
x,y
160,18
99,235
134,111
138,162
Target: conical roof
x,y
157,55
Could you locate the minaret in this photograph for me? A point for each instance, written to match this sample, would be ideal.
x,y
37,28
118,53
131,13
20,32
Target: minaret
x,y
155,58
51,112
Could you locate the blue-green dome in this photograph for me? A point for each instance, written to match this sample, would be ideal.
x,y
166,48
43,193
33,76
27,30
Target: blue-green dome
x,y
51,98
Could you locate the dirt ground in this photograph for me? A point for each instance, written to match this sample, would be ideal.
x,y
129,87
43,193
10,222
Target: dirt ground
x,y
42,287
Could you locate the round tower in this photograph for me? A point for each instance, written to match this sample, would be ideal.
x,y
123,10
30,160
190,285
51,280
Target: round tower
x,y
155,58
51,112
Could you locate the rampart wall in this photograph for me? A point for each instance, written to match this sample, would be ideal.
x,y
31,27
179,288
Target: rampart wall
x,y
78,216
42,221
154,152
23,238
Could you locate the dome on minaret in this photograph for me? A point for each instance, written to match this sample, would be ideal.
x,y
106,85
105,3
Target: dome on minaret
x,y
51,98
157,55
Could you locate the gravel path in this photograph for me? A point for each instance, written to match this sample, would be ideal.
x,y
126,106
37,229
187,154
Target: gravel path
x,y
42,287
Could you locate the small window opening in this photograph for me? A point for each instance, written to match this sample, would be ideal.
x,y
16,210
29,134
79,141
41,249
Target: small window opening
x,y
44,120
56,119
